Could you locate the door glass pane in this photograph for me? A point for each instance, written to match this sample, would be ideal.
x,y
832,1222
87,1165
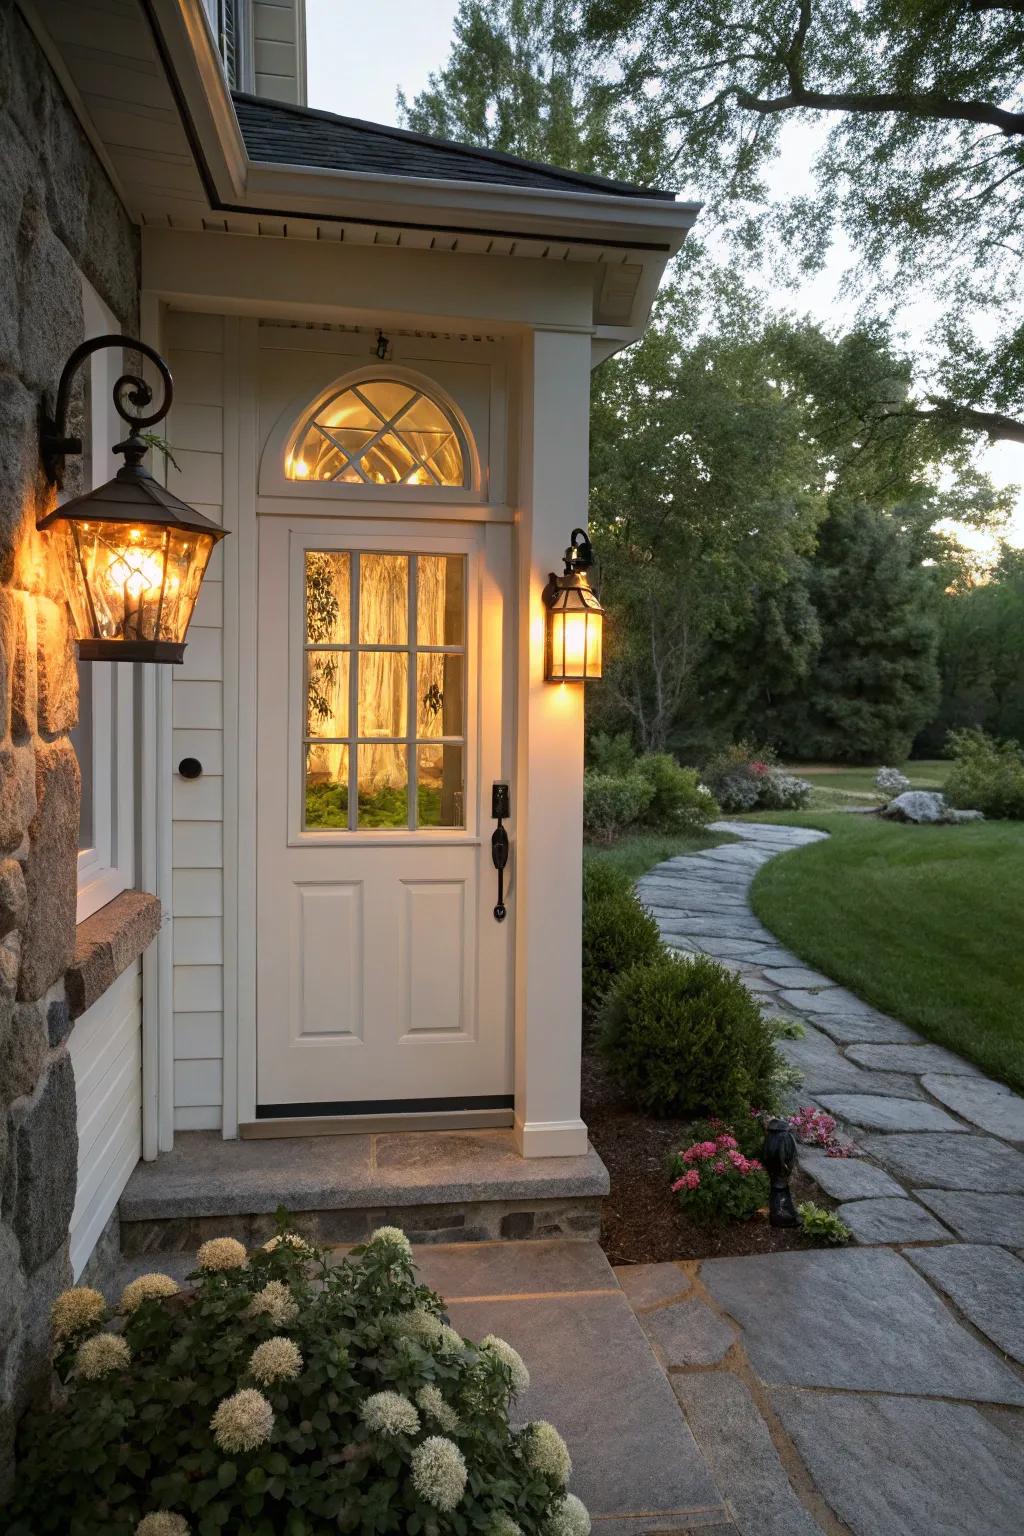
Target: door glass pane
x,y
382,693
326,797
439,694
327,596
383,786
326,693
440,599
383,599
440,786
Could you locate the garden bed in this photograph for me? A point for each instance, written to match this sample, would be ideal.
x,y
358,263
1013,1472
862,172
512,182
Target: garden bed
x,y
641,1219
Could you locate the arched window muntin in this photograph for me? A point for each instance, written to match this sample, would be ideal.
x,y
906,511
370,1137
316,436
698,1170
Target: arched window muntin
x,y
382,430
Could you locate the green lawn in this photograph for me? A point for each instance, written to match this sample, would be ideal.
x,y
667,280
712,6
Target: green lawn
x,y
923,922
640,851
926,773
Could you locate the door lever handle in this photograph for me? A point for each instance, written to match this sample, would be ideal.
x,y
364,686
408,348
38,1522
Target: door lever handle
x,y
499,845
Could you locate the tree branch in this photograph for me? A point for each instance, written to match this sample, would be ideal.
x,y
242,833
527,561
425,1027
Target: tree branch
x,y
998,427
912,104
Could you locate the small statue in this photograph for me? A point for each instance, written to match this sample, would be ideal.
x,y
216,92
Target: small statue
x,y
778,1156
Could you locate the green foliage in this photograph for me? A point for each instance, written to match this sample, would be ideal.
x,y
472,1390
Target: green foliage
x,y
684,1037
986,775
614,755
617,931
822,1226
874,682
922,113
613,803
139,1439
981,655
678,799
748,778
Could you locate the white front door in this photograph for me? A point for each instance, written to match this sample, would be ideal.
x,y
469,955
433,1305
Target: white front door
x,y
383,979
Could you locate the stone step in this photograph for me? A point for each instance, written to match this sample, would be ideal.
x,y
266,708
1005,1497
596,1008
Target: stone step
x,y
439,1186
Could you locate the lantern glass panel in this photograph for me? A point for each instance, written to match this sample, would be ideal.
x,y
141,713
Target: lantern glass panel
x,y
132,581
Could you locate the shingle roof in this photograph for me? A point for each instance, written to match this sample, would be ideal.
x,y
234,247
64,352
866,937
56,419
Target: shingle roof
x,y
282,134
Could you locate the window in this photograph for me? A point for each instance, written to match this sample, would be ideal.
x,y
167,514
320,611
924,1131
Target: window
x,y
103,739
225,17
384,720
379,432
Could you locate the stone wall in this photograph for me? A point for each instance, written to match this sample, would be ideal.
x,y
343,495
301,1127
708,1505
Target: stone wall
x,y
59,219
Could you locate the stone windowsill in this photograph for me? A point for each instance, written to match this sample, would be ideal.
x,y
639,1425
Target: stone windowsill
x,y
107,943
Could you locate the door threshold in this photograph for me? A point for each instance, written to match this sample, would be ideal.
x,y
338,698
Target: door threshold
x,y
356,1125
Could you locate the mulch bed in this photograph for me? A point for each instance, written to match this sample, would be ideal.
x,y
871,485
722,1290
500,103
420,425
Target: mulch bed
x,y
641,1219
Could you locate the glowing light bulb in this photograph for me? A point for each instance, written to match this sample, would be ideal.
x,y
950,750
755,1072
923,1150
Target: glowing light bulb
x,y
299,469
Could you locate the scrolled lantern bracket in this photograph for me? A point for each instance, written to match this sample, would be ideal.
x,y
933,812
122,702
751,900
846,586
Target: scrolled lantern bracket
x,y
133,554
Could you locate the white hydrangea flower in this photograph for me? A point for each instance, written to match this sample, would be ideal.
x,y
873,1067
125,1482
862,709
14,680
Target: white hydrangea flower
x,y
145,1288
547,1452
101,1355
277,1359
286,1239
242,1421
222,1253
439,1472
392,1237
75,1309
389,1413
449,1342
276,1303
510,1357
163,1522
504,1525
431,1401
419,1324
569,1517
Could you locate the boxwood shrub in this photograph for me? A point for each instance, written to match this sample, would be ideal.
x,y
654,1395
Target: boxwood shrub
x,y
617,931
684,1037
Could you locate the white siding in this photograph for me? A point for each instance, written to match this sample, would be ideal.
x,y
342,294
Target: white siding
x,y
279,51
195,344
106,1052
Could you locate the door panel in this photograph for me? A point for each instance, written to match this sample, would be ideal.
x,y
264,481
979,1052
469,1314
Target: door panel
x,y
377,747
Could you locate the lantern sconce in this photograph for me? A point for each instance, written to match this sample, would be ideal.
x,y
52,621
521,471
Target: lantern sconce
x,y
575,618
132,554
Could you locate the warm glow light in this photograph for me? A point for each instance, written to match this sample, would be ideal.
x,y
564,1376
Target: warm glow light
x,y
298,469
575,619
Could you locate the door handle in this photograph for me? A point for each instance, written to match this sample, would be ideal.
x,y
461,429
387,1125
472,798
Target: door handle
x,y
499,844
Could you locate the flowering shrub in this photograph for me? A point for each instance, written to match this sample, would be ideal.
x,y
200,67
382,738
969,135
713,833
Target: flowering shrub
x,y
743,778
715,1181
890,782
285,1394
822,1226
818,1129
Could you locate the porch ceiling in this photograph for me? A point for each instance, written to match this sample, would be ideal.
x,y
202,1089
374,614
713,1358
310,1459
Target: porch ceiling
x,y
148,88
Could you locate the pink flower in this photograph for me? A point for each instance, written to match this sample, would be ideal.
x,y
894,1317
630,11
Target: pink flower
x,y
699,1152
840,1149
720,1167
727,1141
759,768
689,1180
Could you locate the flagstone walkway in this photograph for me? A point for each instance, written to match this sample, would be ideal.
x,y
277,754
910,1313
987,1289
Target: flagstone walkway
x,y
876,1389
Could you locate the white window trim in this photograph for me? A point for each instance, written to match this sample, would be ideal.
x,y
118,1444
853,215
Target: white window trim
x,y
108,867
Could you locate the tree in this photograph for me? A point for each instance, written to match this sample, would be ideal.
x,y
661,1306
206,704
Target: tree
x,y
875,681
520,79
921,103
981,656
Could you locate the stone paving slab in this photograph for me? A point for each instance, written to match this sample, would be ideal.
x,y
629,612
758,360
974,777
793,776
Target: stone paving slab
x,y
911,1058
979,1218
459,1270
648,1284
961,1162
889,1114
858,1028
796,976
594,1375
847,1178
746,1466
896,1466
892,1220
688,1333
992,1106
856,1319
987,1284
827,1070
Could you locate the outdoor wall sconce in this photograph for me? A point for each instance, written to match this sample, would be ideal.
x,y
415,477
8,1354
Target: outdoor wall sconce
x,y
575,618
132,554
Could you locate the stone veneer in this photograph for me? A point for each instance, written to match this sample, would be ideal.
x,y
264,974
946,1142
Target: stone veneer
x,y
59,219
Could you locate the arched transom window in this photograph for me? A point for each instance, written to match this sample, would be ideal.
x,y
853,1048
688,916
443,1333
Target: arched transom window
x,y
379,432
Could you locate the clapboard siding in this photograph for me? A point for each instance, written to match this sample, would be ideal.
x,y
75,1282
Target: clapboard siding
x,y
106,1052
196,433
278,51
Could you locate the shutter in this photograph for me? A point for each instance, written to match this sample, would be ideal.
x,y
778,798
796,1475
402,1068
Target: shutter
x,y
229,39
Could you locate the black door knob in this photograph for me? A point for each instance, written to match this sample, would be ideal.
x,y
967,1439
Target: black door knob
x,y
190,768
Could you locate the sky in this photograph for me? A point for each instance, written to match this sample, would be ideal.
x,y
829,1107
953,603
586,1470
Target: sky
x,y
360,54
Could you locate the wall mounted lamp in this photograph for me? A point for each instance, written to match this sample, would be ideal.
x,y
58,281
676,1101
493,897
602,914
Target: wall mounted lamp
x,y
575,618
132,554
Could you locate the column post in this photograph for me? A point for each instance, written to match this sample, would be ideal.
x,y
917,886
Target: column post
x,y
553,474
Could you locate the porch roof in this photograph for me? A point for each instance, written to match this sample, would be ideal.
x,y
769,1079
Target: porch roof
x,y
279,133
